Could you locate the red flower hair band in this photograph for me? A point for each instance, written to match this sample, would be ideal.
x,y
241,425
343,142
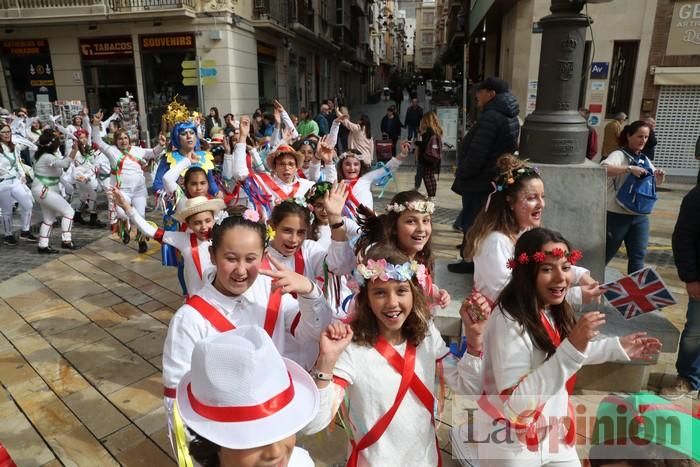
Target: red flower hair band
x,y
573,256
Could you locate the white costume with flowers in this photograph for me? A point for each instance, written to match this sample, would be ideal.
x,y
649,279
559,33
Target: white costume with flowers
x,y
372,385
46,191
512,362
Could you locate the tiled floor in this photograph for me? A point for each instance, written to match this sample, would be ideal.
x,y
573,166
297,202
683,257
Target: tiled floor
x,y
80,352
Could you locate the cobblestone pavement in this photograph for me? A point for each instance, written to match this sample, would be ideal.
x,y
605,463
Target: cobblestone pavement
x,y
81,338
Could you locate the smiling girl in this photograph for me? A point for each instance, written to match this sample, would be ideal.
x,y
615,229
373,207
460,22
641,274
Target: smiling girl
x,y
516,205
385,363
534,346
13,188
247,289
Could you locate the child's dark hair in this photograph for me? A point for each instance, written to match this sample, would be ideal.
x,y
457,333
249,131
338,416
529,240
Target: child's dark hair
x,y
205,452
315,193
48,142
519,297
365,328
192,171
364,168
235,219
289,208
382,228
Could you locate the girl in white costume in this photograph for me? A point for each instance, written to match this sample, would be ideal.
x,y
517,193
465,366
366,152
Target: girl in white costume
x,y
48,169
127,169
245,290
193,244
13,188
385,363
534,345
85,178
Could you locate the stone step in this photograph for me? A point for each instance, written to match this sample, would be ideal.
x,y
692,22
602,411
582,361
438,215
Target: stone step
x,y
615,376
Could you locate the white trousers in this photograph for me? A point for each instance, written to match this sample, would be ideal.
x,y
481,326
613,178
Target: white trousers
x,y
53,205
11,191
87,192
134,190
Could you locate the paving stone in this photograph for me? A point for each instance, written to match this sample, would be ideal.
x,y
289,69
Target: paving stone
x,y
132,448
150,306
95,412
140,398
136,327
153,421
76,337
107,351
150,345
79,447
113,376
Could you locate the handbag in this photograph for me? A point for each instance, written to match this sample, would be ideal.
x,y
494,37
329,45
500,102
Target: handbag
x,y
638,194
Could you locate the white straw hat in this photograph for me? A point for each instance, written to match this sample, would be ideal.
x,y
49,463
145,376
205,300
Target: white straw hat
x,y
241,393
198,204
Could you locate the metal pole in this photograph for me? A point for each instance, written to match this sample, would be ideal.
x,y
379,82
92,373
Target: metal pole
x,y
200,87
465,82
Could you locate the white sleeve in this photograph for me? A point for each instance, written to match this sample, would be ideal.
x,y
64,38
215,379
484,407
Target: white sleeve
x,y
341,258
333,133
462,376
173,174
511,366
256,161
227,167
141,223
315,170
153,153
492,264
329,173
605,350
276,137
184,331
330,399
62,162
240,169
288,124
316,315
111,152
376,174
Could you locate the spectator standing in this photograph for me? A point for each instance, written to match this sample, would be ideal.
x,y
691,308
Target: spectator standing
x,y
650,148
592,145
322,120
611,134
330,115
429,152
414,114
686,254
212,120
391,126
306,125
229,125
494,134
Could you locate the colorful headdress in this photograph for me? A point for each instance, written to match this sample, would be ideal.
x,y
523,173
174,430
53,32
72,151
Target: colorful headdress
x,y
317,191
509,177
356,154
177,112
424,207
385,271
573,256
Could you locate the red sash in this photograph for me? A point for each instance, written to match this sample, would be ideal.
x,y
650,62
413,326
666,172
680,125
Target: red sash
x,y
272,185
531,436
406,367
194,246
352,203
222,324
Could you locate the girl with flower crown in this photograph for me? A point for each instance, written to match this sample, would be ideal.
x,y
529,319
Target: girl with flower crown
x,y
127,171
382,367
320,229
534,345
516,205
407,225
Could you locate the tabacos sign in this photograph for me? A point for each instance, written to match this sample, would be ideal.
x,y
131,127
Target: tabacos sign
x,y
684,33
95,48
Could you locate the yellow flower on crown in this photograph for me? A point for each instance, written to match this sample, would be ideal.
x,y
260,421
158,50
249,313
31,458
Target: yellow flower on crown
x,y
177,112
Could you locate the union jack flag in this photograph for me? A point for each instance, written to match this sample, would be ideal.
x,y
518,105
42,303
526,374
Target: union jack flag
x,y
640,292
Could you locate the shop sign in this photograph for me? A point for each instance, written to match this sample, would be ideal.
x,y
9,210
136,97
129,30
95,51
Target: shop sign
x,y
599,70
20,47
684,35
95,48
167,41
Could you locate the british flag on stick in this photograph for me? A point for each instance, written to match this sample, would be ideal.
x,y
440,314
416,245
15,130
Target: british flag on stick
x,y
640,292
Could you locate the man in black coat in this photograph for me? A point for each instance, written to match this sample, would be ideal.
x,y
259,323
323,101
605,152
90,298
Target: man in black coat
x,y
391,126
494,134
686,254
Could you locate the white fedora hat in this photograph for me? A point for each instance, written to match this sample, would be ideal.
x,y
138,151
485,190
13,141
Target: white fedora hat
x,y
199,204
241,393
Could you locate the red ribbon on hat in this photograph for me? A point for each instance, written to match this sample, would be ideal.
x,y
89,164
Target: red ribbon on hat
x,y
242,413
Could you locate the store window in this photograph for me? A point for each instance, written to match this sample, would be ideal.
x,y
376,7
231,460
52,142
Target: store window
x,y
624,63
108,70
28,72
162,58
267,75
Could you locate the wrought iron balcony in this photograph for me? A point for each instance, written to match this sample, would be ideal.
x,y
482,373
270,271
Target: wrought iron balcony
x,y
131,5
33,11
277,11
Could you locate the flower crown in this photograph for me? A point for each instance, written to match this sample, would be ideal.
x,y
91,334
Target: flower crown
x,y
424,207
573,256
509,177
385,271
317,191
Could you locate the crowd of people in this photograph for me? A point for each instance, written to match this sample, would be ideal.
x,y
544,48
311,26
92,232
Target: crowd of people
x,y
304,304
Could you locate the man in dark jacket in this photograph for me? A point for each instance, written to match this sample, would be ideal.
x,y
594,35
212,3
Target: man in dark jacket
x,y
494,134
686,254
391,126
414,114
322,120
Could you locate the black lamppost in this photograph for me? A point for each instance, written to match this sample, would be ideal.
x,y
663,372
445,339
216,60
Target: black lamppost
x,y
555,133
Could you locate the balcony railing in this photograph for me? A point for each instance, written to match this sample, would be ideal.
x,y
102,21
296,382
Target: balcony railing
x,y
275,10
29,10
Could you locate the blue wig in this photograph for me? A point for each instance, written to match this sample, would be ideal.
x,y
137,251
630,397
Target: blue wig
x,y
175,134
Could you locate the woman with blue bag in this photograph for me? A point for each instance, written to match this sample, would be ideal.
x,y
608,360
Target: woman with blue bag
x,y
632,180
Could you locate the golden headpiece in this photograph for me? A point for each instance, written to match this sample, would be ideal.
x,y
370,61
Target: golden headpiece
x,y
177,112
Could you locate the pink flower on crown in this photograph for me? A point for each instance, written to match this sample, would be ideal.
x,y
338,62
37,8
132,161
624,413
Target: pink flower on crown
x,y
422,275
251,215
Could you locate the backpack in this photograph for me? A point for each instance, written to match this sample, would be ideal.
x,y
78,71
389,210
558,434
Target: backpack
x,y
638,194
432,156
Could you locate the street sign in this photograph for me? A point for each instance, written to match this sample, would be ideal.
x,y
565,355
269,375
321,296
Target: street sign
x,y
189,73
208,81
207,63
190,82
188,64
207,72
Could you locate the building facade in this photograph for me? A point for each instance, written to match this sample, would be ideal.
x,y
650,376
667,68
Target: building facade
x,y
249,52
425,51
